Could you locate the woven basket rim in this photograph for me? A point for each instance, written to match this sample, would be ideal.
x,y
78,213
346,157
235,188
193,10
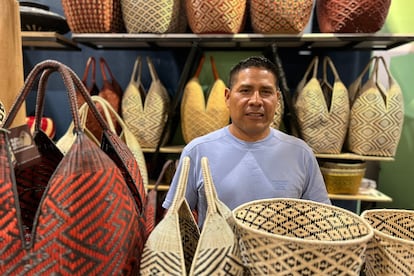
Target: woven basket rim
x,y
385,235
353,241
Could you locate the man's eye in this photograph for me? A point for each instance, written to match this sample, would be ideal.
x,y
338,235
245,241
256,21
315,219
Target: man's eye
x,y
244,91
266,92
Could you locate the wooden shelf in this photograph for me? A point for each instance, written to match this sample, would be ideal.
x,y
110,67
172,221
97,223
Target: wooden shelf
x,y
364,195
48,40
167,149
242,41
352,156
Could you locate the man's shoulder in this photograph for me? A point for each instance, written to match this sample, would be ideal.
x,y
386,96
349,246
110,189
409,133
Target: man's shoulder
x,y
210,137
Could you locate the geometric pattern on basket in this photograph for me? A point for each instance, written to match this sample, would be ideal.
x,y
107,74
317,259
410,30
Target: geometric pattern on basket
x,y
286,237
391,251
154,16
216,16
352,16
376,123
277,118
94,16
288,17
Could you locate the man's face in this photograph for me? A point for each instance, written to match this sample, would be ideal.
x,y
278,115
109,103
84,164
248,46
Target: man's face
x,y
252,102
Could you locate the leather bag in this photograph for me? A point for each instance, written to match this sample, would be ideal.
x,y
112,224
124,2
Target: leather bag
x,y
85,206
322,109
197,117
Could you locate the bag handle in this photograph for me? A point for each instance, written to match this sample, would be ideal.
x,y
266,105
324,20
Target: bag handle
x,y
312,65
105,69
199,67
214,68
355,88
164,169
211,193
387,71
179,195
136,72
90,67
152,70
328,61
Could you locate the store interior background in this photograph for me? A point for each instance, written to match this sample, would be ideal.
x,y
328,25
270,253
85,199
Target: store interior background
x,y
394,178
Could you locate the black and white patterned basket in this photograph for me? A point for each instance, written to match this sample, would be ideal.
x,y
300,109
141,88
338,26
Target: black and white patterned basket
x,y
300,237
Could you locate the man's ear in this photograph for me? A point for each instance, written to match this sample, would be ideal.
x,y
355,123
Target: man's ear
x,y
227,95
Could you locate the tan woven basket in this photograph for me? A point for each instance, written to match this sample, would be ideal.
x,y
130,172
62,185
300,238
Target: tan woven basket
x,y
391,251
342,181
300,237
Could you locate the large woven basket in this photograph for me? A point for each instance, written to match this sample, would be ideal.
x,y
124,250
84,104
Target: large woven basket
x,y
300,237
391,251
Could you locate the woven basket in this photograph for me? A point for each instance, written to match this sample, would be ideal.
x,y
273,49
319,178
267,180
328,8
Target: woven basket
x,y
391,251
342,181
282,16
300,237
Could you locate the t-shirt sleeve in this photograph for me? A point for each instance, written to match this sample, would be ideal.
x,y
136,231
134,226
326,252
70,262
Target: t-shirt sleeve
x,y
315,188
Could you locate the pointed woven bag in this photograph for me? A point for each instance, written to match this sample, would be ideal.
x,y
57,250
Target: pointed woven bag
x,y
377,114
322,109
197,118
146,114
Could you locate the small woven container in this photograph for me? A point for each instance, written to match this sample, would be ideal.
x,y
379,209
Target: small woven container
x,y
300,237
343,178
391,251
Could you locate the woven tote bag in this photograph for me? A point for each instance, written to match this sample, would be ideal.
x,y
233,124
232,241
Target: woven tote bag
x,y
154,16
94,16
89,78
85,196
300,237
281,16
322,109
170,247
352,16
377,113
197,118
67,140
146,114
216,16
391,251
2,112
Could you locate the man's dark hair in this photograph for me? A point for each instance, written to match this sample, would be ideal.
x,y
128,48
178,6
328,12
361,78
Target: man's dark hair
x,y
255,61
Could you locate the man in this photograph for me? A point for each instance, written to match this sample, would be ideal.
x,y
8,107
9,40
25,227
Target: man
x,y
248,159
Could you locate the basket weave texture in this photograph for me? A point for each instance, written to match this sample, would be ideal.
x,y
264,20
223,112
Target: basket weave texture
x,y
300,237
391,251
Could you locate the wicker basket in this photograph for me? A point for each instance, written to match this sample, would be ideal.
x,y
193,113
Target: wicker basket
x,y
343,178
391,251
300,237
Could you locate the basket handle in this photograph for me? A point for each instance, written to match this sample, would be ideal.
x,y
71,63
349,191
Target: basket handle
x,y
182,185
211,193
136,72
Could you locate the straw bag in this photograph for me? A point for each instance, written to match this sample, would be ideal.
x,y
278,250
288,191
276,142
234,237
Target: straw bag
x,y
216,16
146,114
69,207
377,114
94,16
281,16
154,16
197,118
67,140
214,252
300,237
352,16
322,109
2,112
391,251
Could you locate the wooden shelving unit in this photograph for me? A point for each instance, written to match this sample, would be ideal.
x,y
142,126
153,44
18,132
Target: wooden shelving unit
x,y
48,40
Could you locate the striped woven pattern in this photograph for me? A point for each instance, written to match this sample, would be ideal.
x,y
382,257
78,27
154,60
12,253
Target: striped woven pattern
x,y
2,112
277,118
154,16
216,16
391,251
281,16
301,237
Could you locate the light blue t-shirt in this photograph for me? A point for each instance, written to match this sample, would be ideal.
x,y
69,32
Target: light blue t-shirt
x,y
279,166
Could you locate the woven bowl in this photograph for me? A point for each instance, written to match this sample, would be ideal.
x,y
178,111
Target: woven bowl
x,y
300,237
342,181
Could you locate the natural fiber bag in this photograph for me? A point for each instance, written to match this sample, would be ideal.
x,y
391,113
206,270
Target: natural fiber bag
x,y
197,118
352,16
300,237
377,113
322,109
94,16
146,114
154,16
67,140
391,251
2,112
71,206
216,16
280,16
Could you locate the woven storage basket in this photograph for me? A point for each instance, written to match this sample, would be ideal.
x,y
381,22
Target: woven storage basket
x,y
342,181
391,251
300,237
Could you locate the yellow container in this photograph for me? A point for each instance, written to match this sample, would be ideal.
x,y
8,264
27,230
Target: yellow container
x,y
342,181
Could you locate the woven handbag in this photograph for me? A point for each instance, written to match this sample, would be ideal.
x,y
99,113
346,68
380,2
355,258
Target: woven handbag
x,y
216,16
322,109
197,118
67,140
352,16
281,16
94,16
154,16
146,114
91,200
2,112
391,251
300,237
377,113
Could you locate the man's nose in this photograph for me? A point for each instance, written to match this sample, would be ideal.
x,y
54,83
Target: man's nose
x,y
256,98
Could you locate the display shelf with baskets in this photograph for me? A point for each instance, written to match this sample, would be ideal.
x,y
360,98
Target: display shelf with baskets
x,y
47,40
